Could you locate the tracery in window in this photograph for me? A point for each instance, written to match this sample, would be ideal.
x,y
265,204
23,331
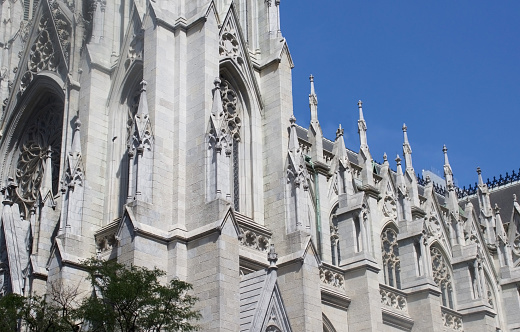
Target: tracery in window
x,y
232,109
391,262
41,139
442,276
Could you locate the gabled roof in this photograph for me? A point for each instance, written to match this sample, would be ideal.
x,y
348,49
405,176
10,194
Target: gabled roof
x,y
261,303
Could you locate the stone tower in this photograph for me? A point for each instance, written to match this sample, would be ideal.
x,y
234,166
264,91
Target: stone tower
x,y
161,133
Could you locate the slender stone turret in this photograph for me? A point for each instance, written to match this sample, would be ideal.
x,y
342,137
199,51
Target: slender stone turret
x,y
341,165
364,158
315,134
410,177
487,220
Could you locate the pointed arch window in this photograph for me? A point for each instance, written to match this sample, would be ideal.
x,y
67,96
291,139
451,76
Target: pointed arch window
x,y
442,276
233,118
391,262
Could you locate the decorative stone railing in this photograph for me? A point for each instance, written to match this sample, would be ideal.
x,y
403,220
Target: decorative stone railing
x,y
254,236
393,298
330,277
451,319
106,237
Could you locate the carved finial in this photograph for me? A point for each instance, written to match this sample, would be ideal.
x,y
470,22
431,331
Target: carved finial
x,y
404,127
339,132
143,85
385,158
514,197
427,180
313,102
359,103
445,150
497,209
76,137
272,257
292,120
142,109
479,172
398,160
217,82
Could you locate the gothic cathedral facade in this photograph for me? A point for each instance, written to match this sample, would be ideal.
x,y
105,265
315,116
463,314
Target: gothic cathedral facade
x,y
161,133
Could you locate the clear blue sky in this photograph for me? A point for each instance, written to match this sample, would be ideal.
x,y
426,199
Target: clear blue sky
x,y
449,69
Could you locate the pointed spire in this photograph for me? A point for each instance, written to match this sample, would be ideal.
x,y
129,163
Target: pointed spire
x,y
445,151
143,103
385,159
339,132
360,108
479,172
448,173
399,168
293,136
76,137
400,181
313,102
362,126
217,108
407,149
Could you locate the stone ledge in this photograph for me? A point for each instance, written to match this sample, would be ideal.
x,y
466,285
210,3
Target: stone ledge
x,y
334,298
362,261
397,320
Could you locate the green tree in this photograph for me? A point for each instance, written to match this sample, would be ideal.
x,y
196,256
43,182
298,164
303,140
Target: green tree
x,y
10,308
129,299
123,299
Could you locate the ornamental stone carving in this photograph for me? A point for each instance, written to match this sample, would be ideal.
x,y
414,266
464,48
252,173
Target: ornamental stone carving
x,y
393,299
231,109
229,45
389,207
63,27
451,320
254,240
42,55
332,278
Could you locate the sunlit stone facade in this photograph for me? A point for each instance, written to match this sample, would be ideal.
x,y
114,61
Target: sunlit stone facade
x,y
161,133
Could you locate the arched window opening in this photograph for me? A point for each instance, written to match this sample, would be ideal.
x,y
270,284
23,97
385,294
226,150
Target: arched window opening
x,y
233,110
391,262
442,276
40,140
